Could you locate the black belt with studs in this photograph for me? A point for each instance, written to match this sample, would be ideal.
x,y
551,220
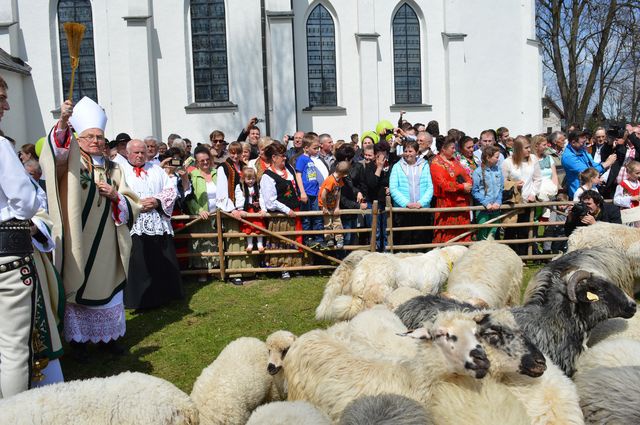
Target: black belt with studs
x,y
15,238
15,264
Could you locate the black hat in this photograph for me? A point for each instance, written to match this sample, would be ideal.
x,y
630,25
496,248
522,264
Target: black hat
x,y
122,137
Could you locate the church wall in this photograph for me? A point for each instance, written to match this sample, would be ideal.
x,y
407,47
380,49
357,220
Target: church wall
x,y
478,68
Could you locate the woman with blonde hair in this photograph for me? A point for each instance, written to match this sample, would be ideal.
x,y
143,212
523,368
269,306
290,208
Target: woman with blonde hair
x,y
262,162
522,168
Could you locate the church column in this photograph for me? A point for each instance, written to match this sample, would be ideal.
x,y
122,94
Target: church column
x,y
9,27
142,70
367,39
281,66
456,79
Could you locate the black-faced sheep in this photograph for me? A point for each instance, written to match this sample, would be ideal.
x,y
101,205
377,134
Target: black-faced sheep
x,y
508,397
607,263
326,372
376,275
128,398
488,275
610,235
557,317
608,381
385,409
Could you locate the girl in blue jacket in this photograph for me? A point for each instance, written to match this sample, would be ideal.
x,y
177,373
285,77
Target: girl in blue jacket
x,y
488,185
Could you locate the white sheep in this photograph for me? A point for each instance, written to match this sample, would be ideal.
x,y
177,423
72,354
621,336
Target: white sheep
x,y
287,413
376,275
399,296
130,398
339,283
610,235
238,381
278,343
608,381
325,371
385,409
616,329
488,275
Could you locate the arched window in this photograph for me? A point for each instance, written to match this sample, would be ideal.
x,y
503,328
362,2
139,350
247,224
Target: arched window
x,y
209,49
85,78
321,58
406,56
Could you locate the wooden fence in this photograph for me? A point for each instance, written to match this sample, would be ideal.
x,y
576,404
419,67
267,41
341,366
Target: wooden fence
x,y
288,237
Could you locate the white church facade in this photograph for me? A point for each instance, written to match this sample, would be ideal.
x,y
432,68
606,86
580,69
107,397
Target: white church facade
x,y
335,66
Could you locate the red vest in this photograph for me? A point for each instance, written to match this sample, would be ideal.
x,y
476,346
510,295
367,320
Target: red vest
x,y
631,192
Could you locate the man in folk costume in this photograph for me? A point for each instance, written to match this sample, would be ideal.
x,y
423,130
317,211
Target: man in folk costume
x,y
18,204
154,275
92,209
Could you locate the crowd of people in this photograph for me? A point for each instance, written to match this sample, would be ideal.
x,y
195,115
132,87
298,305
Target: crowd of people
x,y
103,209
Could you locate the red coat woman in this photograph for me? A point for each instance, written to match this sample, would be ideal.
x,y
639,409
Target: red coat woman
x,y
451,188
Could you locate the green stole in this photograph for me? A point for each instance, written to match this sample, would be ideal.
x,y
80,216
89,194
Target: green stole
x,y
92,253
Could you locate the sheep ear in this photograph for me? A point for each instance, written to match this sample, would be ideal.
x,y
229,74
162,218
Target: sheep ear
x,y
420,333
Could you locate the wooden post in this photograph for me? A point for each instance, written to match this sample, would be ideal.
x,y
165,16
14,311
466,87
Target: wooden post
x,y
532,214
374,225
223,274
390,224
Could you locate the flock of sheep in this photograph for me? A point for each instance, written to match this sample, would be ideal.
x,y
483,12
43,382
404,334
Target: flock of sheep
x,y
435,338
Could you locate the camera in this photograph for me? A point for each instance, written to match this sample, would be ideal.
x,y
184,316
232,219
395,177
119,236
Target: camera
x,y
176,162
579,210
259,120
615,132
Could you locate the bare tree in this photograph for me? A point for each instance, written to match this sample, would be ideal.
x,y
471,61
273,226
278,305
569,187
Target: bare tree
x,y
583,43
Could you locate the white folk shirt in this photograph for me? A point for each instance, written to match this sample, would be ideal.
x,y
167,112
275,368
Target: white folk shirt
x,y
152,182
18,195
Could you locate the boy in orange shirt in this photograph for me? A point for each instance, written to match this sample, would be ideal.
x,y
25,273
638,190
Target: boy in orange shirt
x,y
329,201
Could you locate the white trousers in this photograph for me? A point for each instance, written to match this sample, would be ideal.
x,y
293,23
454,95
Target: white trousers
x,y
16,321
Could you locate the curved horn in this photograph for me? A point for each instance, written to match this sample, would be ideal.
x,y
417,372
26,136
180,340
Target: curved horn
x,y
575,278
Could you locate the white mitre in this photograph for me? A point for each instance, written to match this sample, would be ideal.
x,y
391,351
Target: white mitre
x,y
87,114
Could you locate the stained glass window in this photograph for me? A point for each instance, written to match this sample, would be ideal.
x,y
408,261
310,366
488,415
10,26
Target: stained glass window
x,y
406,56
321,58
209,48
85,79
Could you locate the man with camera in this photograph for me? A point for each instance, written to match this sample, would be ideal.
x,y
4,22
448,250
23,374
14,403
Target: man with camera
x,y
251,133
590,210
624,145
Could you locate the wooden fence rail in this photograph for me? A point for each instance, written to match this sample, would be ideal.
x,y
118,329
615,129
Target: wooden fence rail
x,y
221,235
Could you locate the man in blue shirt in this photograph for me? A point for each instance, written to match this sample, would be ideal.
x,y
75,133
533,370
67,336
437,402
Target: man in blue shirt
x,y
576,159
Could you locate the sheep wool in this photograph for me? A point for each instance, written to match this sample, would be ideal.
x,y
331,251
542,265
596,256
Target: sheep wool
x,y
230,388
385,409
378,274
130,398
616,329
488,275
608,381
288,413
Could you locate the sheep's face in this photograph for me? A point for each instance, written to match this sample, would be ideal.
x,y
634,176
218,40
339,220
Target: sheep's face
x,y
600,299
457,339
509,350
278,344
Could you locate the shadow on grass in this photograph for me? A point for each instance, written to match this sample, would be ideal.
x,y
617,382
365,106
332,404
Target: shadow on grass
x,y
140,324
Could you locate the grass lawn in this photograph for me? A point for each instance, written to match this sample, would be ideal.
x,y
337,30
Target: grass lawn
x,y
177,342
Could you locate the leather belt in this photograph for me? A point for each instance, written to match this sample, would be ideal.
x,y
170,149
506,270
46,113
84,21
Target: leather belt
x,y
15,238
12,265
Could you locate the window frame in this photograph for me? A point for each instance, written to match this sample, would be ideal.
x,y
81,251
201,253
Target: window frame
x,y
407,100
332,68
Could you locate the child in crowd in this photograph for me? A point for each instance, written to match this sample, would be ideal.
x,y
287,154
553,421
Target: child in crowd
x,y
329,200
628,191
248,200
558,214
487,188
588,179
309,180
